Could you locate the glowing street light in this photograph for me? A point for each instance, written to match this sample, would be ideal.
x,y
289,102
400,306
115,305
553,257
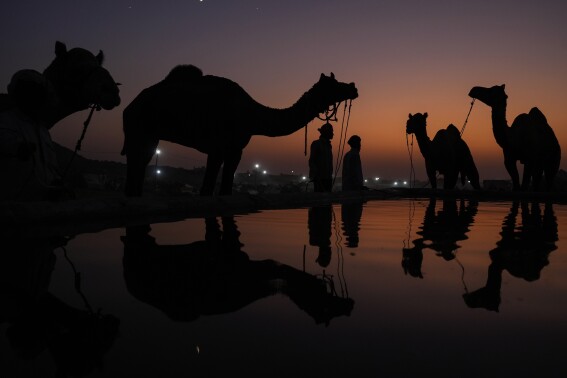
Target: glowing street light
x,y
158,152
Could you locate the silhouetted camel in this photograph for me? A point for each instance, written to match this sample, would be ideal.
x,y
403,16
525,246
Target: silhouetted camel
x,y
523,251
78,81
215,116
530,140
440,231
447,153
214,276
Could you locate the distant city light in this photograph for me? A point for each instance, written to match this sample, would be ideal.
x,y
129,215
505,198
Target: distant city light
x,y
395,183
264,171
158,172
405,182
158,151
256,166
304,178
376,178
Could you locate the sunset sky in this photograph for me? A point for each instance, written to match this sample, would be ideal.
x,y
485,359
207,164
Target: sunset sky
x,y
405,56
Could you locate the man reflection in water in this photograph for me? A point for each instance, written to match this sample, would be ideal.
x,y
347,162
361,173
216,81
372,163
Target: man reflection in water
x,y
351,213
76,339
523,251
319,222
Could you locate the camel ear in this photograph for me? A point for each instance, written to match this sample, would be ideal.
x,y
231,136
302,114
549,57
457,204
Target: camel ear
x,y
425,115
100,57
60,48
503,86
409,115
322,76
332,75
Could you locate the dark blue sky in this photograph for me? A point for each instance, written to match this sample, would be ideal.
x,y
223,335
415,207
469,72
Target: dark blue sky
x,y
404,56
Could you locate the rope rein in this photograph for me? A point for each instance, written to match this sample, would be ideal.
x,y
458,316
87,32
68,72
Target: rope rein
x,y
80,140
342,140
410,153
467,119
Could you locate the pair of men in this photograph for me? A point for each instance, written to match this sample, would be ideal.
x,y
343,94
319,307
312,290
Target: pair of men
x,y
321,162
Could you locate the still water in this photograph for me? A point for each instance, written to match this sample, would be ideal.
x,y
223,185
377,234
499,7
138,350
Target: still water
x,y
395,288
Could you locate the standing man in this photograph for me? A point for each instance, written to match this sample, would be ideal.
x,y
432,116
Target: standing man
x,y
321,160
352,166
28,164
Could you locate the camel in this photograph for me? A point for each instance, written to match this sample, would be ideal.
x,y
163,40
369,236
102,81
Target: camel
x,y
440,231
215,276
530,140
215,116
447,153
78,81
523,251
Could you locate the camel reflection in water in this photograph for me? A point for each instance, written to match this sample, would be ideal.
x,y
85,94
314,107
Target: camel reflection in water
x,y
440,231
37,320
523,251
214,276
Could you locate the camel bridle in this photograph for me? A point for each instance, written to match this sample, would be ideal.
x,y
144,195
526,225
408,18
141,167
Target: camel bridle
x,y
93,107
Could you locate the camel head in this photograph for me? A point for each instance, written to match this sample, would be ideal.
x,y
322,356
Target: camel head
x,y
416,123
80,80
328,91
493,96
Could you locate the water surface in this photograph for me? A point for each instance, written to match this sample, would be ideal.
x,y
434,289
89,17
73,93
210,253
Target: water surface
x,y
398,288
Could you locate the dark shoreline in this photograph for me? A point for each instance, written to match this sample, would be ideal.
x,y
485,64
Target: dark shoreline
x,y
77,216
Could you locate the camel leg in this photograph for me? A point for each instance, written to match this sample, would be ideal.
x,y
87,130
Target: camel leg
x,y
214,163
537,175
473,176
450,180
431,174
550,170
527,177
137,159
512,169
229,169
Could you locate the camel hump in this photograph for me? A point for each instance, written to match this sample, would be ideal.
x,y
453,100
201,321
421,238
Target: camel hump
x,y
538,115
453,131
184,73
538,118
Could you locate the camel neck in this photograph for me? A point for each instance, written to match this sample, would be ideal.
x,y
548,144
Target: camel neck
x,y
59,113
499,124
281,122
423,142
